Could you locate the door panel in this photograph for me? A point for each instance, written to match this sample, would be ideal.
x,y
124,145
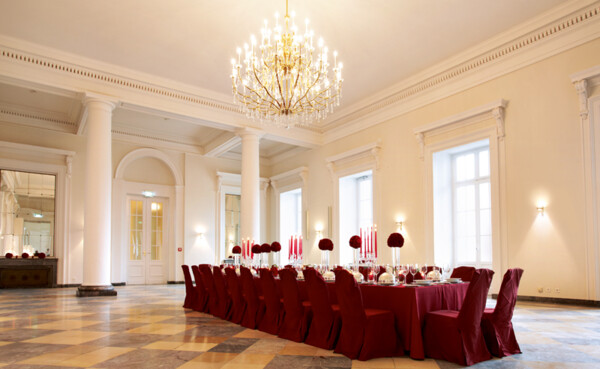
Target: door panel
x,y
146,240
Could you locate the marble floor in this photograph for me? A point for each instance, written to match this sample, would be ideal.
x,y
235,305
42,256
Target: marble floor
x,y
146,327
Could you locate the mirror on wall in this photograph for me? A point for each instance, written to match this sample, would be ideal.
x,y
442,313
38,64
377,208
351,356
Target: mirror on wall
x,y
26,212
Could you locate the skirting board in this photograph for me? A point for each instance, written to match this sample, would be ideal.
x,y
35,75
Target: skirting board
x,y
175,282
555,300
115,284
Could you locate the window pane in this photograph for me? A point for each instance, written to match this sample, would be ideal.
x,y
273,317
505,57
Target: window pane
x,y
466,251
485,199
135,230
484,163
156,231
465,198
465,224
486,249
485,222
465,167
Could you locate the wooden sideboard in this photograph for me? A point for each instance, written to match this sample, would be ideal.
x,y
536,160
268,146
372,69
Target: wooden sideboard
x,y
20,273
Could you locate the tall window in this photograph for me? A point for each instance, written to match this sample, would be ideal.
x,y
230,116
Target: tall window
x,y
472,207
462,205
290,219
355,208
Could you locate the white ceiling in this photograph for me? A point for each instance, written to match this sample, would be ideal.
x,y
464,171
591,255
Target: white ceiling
x,y
380,42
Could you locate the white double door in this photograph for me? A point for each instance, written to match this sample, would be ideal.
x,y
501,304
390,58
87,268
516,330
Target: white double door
x,y
147,240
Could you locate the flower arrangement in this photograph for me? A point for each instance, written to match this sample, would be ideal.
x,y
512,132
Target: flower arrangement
x,y
265,248
355,242
326,244
25,255
395,240
8,255
256,249
236,250
275,246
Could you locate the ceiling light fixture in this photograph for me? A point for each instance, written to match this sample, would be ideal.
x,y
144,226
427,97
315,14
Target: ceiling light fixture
x,y
283,78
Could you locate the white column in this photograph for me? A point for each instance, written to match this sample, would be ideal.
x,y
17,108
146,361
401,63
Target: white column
x,y
97,206
250,202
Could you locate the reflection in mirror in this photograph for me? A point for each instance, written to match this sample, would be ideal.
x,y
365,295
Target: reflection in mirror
x,y
26,212
232,221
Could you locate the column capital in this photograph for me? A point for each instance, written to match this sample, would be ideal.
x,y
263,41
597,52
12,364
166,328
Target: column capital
x,y
92,98
245,131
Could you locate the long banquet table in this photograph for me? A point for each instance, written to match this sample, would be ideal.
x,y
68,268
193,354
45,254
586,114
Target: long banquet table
x,y
409,306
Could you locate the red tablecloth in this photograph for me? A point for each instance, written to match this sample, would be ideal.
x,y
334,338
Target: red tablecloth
x,y
409,305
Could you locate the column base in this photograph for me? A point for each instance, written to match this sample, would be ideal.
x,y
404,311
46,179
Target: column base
x,y
87,291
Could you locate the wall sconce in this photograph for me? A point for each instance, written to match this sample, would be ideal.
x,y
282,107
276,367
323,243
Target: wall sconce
x,y
319,230
541,208
399,224
200,231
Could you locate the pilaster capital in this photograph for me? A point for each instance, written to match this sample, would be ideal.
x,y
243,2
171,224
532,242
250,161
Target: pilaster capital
x,y
249,132
91,99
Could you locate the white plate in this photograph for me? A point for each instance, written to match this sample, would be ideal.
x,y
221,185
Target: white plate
x,y
423,282
454,280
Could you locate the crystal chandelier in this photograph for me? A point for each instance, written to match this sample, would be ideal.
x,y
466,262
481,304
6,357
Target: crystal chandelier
x,y
283,78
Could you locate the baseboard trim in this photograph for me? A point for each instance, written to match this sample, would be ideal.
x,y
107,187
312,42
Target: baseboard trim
x,y
71,285
175,282
556,300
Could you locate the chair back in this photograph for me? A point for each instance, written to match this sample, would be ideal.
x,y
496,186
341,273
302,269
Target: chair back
x,y
474,303
349,297
507,297
235,291
272,299
291,293
209,284
200,288
275,271
463,272
318,295
190,293
221,285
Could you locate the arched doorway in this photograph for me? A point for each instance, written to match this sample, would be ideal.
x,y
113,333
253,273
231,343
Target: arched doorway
x,y
147,212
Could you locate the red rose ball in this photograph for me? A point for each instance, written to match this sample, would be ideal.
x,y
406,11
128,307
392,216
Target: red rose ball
x,y
265,248
24,255
236,250
355,242
395,240
256,249
326,244
275,246
42,255
8,255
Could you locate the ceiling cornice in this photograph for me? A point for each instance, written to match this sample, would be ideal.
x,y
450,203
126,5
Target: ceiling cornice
x,y
551,33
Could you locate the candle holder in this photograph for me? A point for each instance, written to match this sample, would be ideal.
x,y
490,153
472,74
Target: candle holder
x,y
356,259
236,260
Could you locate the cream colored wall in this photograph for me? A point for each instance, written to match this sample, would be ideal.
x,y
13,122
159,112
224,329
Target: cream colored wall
x,y
543,160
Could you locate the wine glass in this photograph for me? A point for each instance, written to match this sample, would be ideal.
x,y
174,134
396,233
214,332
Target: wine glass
x,y
413,270
446,270
424,271
404,272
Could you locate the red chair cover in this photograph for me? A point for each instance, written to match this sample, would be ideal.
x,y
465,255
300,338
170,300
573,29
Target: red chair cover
x,y
273,307
238,304
209,283
222,293
255,307
366,333
201,294
297,314
456,336
497,323
190,291
463,272
326,318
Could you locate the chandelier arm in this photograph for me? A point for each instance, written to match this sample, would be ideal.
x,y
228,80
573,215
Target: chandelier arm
x,y
264,88
308,89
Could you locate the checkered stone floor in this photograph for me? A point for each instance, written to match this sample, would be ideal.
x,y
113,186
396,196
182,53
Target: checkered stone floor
x,y
146,327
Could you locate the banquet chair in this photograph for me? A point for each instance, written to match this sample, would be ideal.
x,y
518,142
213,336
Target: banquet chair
x,y
456,336
297,313
255,306
201,294
238,304
190,291
463,272
326,318
209,284
365,333
275,271
271,322
224,298
497,323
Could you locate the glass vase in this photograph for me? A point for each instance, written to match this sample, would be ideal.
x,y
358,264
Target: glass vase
x,y
356,259
325,259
